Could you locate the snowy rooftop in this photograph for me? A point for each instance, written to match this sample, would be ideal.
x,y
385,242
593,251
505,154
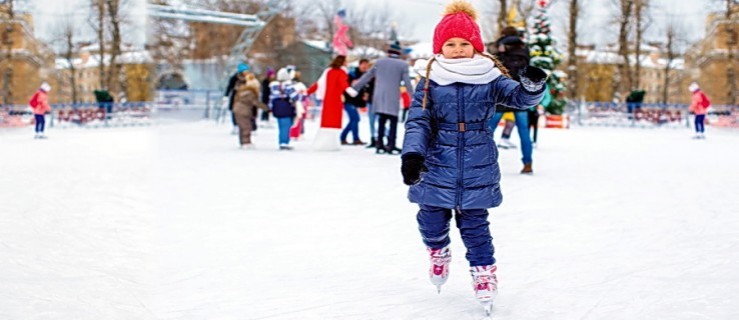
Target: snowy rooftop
x,y
610,57
136,57
318,44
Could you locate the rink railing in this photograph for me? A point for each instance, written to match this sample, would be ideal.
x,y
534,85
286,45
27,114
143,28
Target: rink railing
x,y
648,115
89,115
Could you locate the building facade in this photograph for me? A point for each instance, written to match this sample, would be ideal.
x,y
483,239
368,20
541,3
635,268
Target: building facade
x,y
137,75
600,80
24,61
710,61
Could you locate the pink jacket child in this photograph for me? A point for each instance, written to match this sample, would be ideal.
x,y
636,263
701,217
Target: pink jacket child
x,y
40,100
700,102
40,105
699,105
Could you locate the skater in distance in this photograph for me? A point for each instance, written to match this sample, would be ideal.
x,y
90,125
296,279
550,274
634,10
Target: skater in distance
x,y
449,158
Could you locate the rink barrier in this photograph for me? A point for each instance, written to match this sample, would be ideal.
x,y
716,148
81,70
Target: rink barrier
x,y
648,115
87,115
211,104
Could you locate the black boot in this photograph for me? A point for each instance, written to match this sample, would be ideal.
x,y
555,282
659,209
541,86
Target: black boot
x,y
393,150
372,144
380,147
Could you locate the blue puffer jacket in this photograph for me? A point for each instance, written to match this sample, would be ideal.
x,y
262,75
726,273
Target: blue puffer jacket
x,y
452,135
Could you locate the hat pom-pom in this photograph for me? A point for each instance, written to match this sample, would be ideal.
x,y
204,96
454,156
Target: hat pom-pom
x,y
458,6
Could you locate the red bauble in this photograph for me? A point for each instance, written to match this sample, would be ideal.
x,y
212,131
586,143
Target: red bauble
x,y
543,3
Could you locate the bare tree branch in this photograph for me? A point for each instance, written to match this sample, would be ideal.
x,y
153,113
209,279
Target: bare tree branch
x,y
673,35
625,11
572,48
97,22
66,36
7,42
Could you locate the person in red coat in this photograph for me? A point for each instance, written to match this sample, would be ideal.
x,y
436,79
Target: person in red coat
x,y
330,88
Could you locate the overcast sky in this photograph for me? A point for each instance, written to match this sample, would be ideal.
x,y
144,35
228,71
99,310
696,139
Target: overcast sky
x,y
49,14
417,17
420,16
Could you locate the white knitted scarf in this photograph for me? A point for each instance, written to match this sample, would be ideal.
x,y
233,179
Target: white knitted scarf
x,y
475,70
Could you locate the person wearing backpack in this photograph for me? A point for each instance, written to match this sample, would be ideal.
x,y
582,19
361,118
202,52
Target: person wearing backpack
x,y
513,53
698,106
40,104
282,104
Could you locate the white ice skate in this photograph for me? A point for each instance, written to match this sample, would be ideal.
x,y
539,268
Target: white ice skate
x,y
506,144
439,270
485,284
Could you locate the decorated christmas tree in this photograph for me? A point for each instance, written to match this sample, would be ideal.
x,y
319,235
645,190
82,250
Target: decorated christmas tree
x,y
544,55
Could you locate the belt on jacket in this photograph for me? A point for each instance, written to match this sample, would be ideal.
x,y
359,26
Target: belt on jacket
x,y
463,126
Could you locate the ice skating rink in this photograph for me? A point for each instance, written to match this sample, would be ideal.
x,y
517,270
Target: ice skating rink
x,y
175,222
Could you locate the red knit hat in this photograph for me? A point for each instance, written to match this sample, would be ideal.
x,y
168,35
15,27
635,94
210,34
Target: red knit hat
x,y
458,22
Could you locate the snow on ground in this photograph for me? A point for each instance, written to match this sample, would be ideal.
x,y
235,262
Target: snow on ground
x,y
175,222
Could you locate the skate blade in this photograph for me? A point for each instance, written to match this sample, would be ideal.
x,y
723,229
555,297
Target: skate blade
x,y
488,307
438,289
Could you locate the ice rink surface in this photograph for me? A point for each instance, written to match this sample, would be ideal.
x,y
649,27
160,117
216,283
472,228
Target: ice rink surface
x,y
175,222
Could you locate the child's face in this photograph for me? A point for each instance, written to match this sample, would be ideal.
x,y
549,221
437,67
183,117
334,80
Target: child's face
x,y
456,48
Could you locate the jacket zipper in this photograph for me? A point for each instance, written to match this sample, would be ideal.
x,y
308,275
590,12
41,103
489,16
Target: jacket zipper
x,y
460,150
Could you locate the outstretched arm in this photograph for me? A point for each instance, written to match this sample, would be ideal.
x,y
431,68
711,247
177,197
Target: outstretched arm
x,y
523,95
366,78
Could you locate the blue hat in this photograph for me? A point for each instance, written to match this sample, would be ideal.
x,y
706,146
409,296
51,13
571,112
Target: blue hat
x,y
242,67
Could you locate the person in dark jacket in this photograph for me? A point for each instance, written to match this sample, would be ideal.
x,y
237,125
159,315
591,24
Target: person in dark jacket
x,y
268,78
449,160
514,54
352,103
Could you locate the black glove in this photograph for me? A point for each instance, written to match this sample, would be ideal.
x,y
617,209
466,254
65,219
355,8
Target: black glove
x,y
533,78
412,167
534,74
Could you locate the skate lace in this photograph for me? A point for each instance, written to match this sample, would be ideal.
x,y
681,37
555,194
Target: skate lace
x,y
439,260
485,279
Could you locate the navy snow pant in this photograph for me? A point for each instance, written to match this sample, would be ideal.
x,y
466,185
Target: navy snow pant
x,y
699,123
433,222
40,122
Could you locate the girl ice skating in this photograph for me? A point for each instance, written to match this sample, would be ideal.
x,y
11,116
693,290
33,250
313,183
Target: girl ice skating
x,y
698,106
449,159
40,104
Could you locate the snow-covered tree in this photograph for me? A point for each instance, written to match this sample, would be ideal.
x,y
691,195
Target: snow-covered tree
x,y
545,55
